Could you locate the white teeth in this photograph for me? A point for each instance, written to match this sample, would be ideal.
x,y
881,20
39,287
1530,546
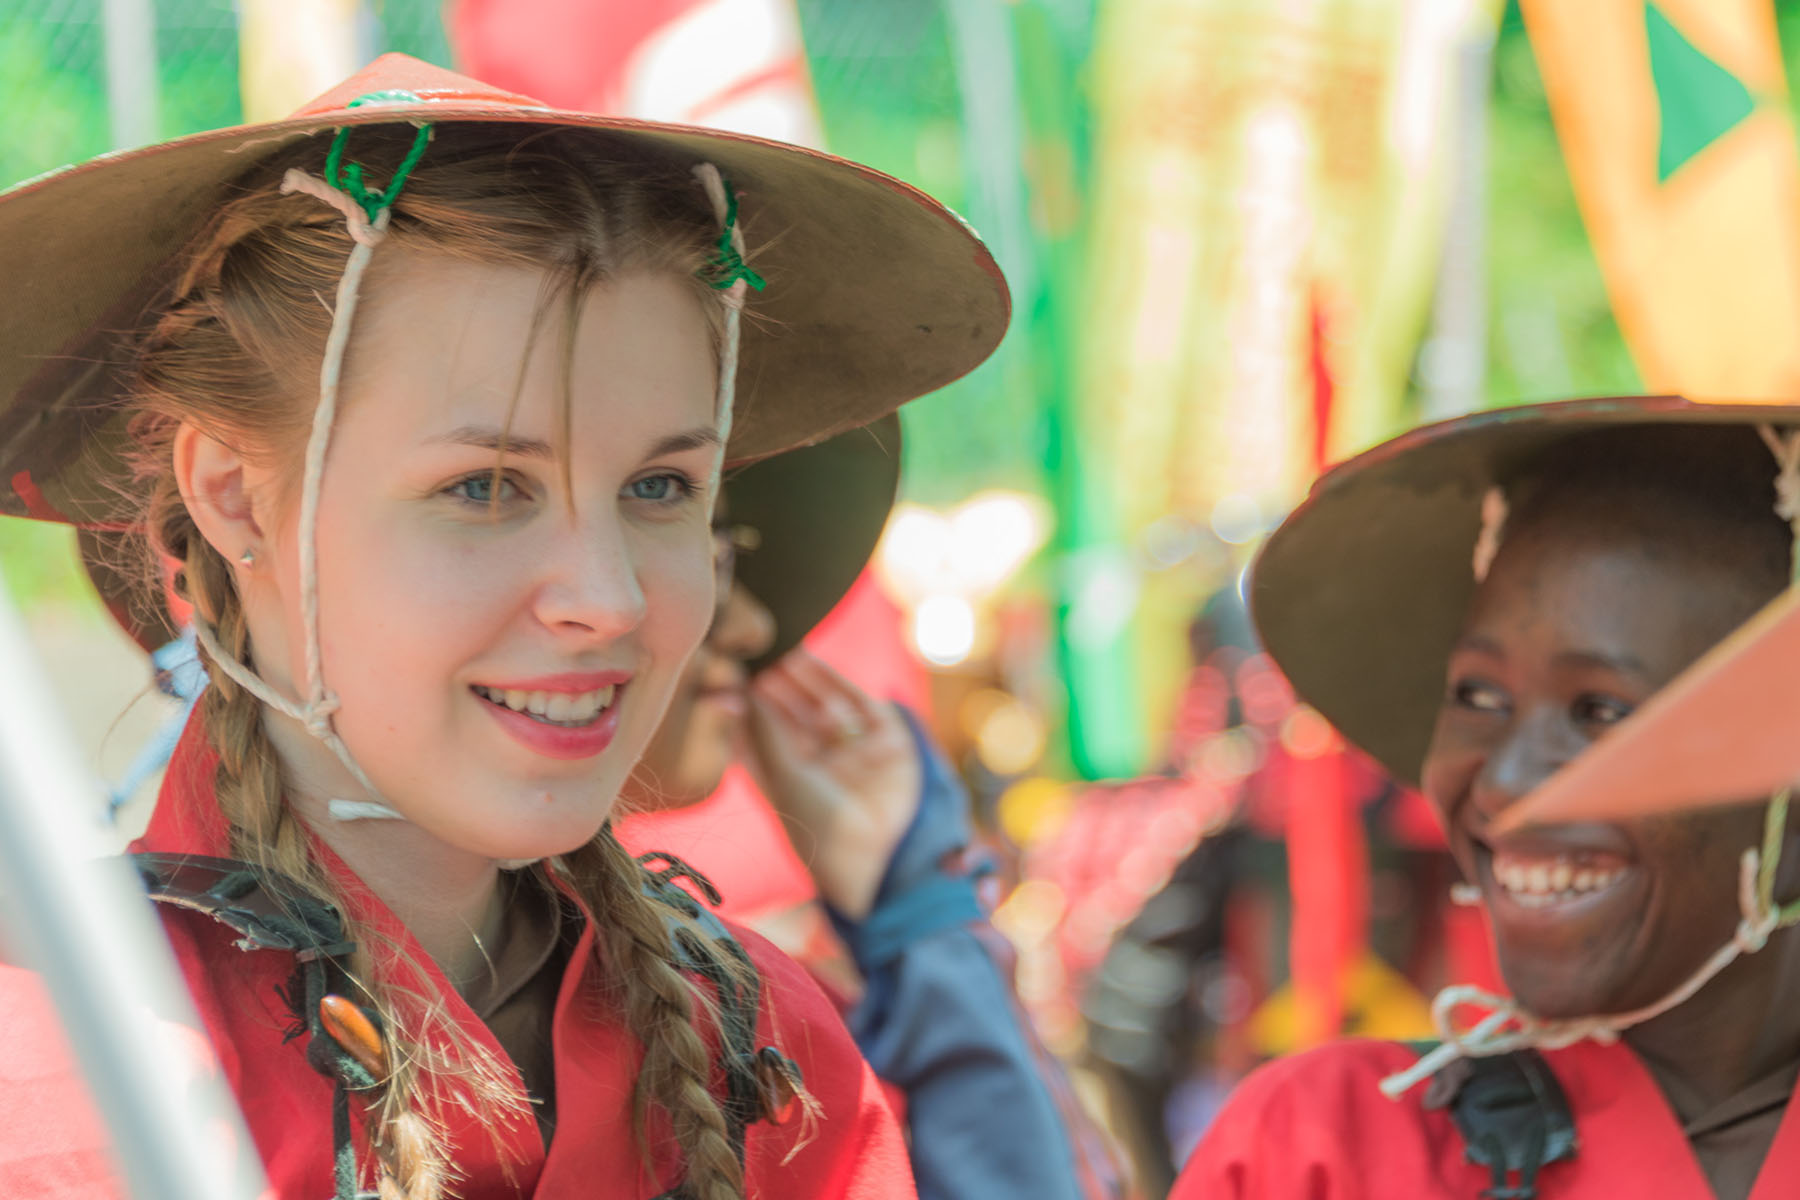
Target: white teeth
x,y
560,708
1542,881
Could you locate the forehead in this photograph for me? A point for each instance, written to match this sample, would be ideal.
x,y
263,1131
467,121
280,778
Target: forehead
x,y
444,343
1613,580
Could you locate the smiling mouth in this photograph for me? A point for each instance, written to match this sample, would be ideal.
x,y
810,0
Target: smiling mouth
x,y
565,710
1545,879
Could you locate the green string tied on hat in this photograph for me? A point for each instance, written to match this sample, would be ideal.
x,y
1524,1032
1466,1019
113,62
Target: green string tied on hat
x,y
728,265
348,177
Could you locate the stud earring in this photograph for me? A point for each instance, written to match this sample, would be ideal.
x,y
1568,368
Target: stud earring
x,y
248,557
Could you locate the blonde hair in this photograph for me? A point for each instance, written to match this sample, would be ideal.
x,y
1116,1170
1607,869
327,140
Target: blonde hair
x,y
236,352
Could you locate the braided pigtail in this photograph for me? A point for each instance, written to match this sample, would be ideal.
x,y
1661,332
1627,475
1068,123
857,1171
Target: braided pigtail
x,y
662,1007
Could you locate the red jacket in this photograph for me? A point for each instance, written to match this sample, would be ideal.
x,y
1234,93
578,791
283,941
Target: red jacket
x,y
1314,1127
52,1144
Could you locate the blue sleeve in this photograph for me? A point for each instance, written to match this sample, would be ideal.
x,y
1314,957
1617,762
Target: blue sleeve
x,y
940,1022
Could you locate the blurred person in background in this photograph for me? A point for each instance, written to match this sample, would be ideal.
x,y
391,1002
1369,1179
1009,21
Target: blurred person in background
x,y
1198,985
882,824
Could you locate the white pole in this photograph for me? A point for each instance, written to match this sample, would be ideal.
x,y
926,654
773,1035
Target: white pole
x,y
1453,362
77,915
131,90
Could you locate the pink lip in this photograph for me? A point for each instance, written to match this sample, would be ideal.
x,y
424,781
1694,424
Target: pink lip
x,y
572,682
569,743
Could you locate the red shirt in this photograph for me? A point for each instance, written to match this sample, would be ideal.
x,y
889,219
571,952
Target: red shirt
x,y
53,1146
1314,1127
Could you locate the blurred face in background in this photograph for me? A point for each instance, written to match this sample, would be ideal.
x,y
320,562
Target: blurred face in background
x,y
698,738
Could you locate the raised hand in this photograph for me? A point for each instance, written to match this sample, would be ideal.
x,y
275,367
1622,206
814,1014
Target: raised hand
x,y
841,769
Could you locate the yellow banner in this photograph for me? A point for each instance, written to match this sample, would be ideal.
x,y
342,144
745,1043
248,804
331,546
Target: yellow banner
x,y
292,50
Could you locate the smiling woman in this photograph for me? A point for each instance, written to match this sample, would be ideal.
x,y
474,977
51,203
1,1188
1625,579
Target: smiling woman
x,y
423,397
1532,577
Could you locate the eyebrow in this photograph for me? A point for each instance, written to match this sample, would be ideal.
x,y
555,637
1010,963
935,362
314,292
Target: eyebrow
x,y
693,439
1622,663
489,437
1626,664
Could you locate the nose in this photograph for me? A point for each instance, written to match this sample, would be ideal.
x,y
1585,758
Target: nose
x,y
590,587
1535,747
745,628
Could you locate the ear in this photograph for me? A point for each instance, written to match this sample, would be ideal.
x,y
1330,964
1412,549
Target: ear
x,y
210,475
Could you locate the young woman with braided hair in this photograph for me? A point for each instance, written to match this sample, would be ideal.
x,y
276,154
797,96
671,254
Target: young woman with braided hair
x,y
426,393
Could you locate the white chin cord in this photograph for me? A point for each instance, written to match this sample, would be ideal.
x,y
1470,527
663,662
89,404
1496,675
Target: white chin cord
x,y
1507,1027
315,713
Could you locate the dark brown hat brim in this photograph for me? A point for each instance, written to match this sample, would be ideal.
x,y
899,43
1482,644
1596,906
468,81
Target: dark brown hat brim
x,y
1361,593
818,513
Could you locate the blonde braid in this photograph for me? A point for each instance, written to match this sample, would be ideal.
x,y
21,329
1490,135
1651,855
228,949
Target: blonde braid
x,y
659,1003
410,1146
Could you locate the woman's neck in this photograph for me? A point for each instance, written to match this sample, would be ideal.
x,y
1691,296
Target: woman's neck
x,y
448,899
1741,1027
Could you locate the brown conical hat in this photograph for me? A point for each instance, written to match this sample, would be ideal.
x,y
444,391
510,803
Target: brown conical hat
x,y
1362,591
876,293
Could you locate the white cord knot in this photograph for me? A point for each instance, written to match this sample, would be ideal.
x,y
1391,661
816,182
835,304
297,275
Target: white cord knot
x,y
362,231
319,713
1493,525
1786,449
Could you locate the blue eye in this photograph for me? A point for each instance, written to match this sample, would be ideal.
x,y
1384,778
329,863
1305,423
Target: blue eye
x,y
484,489
660,489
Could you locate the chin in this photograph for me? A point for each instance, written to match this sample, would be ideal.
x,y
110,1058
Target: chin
x,y
1561,991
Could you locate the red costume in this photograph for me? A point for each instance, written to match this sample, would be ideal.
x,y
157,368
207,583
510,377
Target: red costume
x,y
1314,1127
53,1145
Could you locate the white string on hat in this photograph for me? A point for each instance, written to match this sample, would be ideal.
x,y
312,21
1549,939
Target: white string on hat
x,y
315,712
1507,1026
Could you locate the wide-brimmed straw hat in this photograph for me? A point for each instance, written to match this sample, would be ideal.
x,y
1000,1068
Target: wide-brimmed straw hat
x,y
875,295
1363,590
815,514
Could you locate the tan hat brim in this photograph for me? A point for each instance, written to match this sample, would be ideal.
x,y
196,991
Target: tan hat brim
x,y
876,294
1362,592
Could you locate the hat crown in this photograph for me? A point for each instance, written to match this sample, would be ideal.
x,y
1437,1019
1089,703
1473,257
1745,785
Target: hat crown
x,y
402,73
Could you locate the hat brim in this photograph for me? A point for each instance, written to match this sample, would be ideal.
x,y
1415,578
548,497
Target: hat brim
x,y
819,513
1361,593
876,293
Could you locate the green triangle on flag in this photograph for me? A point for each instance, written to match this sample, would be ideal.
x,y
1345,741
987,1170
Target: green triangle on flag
x,y
1699,100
